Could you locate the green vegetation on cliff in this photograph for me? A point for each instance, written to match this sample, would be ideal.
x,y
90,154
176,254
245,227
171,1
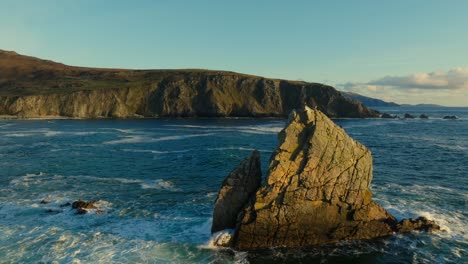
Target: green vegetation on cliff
x,y
31,87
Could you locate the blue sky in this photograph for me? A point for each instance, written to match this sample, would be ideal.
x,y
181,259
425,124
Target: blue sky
x,y
404,51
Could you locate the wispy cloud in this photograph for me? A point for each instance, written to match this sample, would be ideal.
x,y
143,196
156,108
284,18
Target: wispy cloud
x,y
453,79
443,87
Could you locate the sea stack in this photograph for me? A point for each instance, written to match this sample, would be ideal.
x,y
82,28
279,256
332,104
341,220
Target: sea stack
x,y
316,191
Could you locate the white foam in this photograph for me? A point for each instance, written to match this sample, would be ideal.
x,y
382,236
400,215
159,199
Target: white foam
x,y
51,133
85,133
451,147
19,135
156,151
129,140
236,148
6,125
27,180
147,139
270,129
182,137
158,184
11,146
219,239
256,129
124,131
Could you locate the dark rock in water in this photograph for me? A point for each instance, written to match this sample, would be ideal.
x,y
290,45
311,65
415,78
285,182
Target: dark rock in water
x,y
45,201
53,211
451,117
423,116
235,190
81,211
82,207
419,224
385,115
83,204
316,191
408,116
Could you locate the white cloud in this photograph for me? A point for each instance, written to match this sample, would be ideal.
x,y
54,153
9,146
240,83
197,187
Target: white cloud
x,y
439,87
453,79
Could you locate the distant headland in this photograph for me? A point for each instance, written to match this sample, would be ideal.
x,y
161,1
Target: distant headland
x,y
36,88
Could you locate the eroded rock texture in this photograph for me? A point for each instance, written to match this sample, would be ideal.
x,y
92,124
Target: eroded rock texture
x,y
316,192
235,191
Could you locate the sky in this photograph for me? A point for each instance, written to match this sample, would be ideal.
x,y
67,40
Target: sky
x,y
402,51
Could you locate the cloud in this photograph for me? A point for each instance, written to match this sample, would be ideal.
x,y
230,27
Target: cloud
x,y
439,80
440,87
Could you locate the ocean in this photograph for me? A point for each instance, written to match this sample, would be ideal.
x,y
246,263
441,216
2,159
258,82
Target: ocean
x,y
156,181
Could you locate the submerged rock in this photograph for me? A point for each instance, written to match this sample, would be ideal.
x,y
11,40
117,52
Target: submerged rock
x,y
82,207
65,204
450,117
419,224
386,115
45,201
81,211
83,204
235,191
408,116
423,116
316,191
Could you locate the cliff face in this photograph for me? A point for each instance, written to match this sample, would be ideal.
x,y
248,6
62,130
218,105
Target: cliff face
x,y
31,87
316,191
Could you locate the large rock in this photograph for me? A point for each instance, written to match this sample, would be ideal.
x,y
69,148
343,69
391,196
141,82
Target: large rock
x,y
235,191
316,192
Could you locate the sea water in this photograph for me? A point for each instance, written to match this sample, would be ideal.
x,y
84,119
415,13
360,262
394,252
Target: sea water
x,y
156,181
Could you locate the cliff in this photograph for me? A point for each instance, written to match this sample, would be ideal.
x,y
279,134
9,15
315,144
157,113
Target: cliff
x,y
316,192
31,87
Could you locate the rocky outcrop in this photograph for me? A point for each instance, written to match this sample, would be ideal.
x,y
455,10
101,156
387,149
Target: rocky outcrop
x,y
424,116
386,115
30,87
418,224
452,117
316,191
80,207
409,116
235,191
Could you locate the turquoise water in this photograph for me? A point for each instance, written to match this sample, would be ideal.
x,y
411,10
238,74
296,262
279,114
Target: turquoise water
x,y
157,180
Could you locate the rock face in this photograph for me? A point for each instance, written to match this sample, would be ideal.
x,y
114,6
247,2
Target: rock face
x,y
316,191
30,87
235,191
